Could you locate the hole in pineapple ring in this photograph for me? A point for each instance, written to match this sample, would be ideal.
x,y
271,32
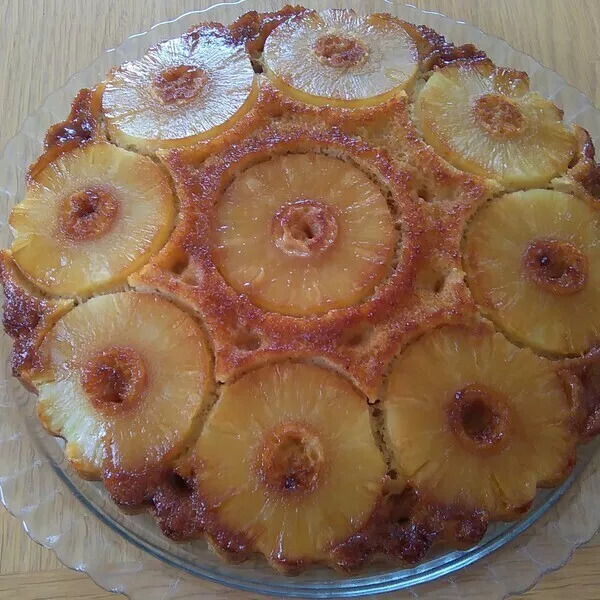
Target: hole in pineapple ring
x,y
87,214
498,115
556,266
292,459
339,51
480,418
177,85
114,379
304,227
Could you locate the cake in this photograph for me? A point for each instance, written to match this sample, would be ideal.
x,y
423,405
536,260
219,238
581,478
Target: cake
x,y
317,286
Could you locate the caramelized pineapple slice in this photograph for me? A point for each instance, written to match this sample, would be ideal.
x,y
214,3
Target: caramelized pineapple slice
x,y
303,234
338,58
287,459
181,91
476,422
533,264
486,121
124,374
91,218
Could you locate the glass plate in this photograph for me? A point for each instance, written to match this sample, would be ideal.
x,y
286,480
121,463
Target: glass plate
x,y
127,554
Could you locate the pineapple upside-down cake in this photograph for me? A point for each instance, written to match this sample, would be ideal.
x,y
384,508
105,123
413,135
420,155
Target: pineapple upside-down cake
x,y
319,286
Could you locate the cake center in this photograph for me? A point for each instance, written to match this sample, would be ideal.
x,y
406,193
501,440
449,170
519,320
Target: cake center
x,y
340,51
498,115
556,266
178,85
114,378
87,214
304,227
292,459
479,417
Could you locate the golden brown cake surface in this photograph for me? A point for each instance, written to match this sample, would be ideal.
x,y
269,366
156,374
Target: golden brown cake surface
x,y
317,286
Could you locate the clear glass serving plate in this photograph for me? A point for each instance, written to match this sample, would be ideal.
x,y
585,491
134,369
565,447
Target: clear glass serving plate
x,y
127,554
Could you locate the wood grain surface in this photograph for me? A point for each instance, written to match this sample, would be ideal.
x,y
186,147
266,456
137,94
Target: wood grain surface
x,y
45,41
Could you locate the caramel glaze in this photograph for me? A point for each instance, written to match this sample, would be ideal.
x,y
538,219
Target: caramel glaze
x,y
405,527
253,28
82,126
435,51
401,526
183,514
592,182
28,316
432,202
590,399
581,379
132,489
583,176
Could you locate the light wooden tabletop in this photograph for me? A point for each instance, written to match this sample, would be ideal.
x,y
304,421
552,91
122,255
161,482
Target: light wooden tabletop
x,y
45,41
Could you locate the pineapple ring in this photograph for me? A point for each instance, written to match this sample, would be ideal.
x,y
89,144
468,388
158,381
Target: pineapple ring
x,y
181,91
492,425
91,218
274,215
532,265
338,58
298,439
123,375
486,121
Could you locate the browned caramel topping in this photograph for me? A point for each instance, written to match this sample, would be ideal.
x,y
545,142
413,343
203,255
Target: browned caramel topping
x,y
88,214
179,512
253,28
304,227
435,50
338,51
292,459
498,115
592,181
405,527
556,266
26,314
81,125
590,381
178,85
130,488
479,417
115,378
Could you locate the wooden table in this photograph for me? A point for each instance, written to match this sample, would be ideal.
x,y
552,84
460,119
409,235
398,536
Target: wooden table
x,y
45,41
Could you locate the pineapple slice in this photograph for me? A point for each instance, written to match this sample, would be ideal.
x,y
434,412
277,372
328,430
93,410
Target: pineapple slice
x,y
533,264
91,218
338,58
303,234
287,458
181,91
486,121
123,374
491,425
